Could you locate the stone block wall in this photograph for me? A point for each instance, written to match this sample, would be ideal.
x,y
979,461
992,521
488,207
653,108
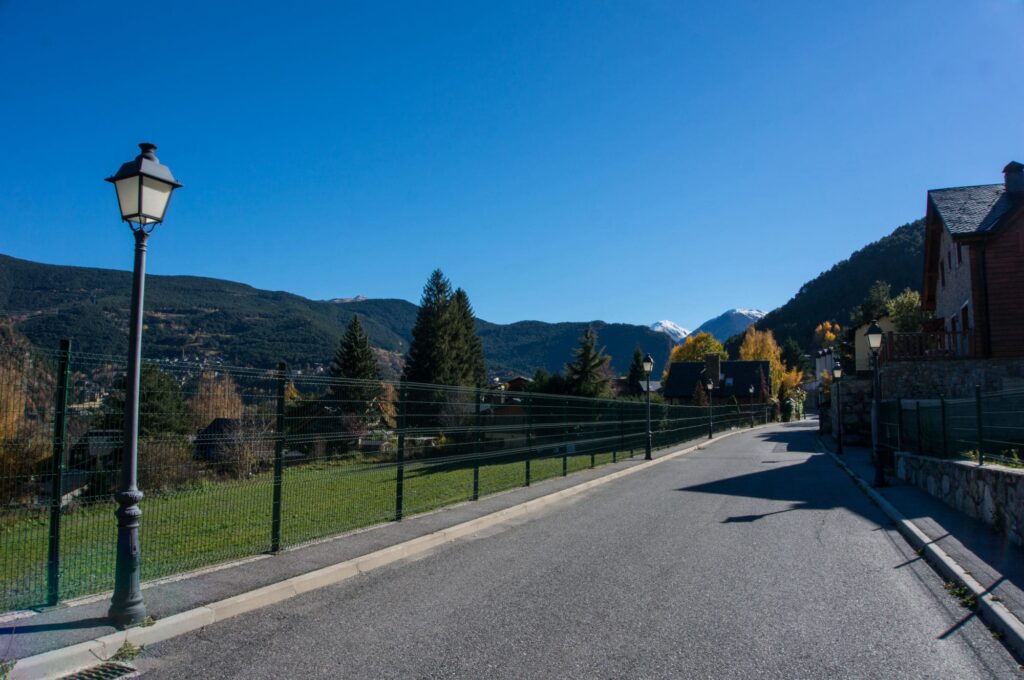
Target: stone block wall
x,y
992,493
950,378
856,410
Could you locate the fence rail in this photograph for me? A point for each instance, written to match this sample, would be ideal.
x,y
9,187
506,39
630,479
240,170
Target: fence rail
x,y
986,428
928,345
239,461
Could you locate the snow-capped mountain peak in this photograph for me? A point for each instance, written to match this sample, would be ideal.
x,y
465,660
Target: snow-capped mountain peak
x,y
671,329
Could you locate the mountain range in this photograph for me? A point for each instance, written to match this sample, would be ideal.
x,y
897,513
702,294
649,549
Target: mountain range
x,y
201,318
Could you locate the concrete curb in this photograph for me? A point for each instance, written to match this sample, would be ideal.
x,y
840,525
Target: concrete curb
x,y
989,608
60,662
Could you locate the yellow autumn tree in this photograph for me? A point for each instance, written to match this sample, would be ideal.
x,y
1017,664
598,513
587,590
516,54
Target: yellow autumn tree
x,y
694,348
215,397
761,346
826,333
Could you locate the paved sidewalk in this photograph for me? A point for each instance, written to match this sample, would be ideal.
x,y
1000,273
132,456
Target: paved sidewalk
x,y
982,552
30,633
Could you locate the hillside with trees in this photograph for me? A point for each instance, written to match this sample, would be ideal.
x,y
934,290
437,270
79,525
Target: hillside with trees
x,y
237,324
897,259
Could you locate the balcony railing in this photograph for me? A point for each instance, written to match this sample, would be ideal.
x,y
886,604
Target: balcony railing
x,y
929,345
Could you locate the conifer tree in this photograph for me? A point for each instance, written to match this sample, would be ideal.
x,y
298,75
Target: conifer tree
x,y
354,361
430,357
587,373
637,375
467,349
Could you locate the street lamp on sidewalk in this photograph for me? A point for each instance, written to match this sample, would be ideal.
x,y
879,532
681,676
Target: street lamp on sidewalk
x,y
711,406
874,336
648,367
750,391
144,188
837,374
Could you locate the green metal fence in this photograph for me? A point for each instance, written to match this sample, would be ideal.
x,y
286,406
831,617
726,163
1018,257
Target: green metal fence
x,y
986,428
235,462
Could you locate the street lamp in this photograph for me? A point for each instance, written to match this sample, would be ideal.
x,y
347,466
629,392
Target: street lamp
x,y
648,367
874,336
750,391
710,384
144,188
837,373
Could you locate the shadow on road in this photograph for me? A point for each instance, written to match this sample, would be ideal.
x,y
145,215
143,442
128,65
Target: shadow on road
x,y
811,483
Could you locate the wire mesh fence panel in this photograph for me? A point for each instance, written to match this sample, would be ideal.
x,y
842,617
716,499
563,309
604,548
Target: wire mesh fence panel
x,y
961,427
1002,432
27,395
930,416
888,424
236,461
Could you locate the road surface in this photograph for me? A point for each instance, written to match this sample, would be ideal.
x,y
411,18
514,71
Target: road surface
x,y
755,557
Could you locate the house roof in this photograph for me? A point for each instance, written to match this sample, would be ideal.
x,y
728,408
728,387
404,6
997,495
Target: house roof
x,y
738,377
655,385
972,210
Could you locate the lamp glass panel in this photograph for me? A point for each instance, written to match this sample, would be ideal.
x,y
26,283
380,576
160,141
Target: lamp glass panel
x,y
648,366
155,196
874,340
128,196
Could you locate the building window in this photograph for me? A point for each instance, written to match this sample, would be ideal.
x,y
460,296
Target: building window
x,y
949,259
959,254
942,273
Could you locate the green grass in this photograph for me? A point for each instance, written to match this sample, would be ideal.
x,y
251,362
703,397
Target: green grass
x,y
225,520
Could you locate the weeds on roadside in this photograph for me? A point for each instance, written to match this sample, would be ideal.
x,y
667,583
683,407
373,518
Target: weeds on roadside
x,y
6,666
127,652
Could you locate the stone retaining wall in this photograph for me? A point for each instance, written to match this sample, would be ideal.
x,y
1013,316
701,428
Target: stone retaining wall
x,y
992,493
950,378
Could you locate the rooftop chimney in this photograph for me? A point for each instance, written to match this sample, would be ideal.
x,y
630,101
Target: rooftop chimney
x,y
1014,174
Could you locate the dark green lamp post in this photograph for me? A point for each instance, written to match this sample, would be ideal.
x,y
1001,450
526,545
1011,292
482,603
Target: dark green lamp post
x,y
144,188
874,337
648,367
710,384
837,374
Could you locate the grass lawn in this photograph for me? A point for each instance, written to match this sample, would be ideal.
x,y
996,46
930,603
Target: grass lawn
x,y
227,520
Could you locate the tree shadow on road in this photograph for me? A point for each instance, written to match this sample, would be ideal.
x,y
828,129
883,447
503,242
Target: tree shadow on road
x,y
808,482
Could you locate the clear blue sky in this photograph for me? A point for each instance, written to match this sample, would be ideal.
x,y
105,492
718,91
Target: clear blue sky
x,y
625,161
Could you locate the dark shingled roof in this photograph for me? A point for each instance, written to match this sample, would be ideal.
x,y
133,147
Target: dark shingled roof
x,y
739,376
969,210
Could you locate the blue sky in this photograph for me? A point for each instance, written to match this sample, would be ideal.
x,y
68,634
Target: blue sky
x,y
625,161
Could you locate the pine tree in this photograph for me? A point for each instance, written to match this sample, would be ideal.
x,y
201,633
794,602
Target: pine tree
x,y
430,357
587,374
637,375
467,349
354,361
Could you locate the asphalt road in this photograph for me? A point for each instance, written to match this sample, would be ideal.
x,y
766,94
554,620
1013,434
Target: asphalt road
x,y
753,558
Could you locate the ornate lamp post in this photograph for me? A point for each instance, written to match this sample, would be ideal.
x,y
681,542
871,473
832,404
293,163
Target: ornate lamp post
x,y
710,384
144,188
648,367
837,373
874,336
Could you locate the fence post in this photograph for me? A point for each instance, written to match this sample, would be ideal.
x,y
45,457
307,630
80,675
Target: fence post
x,y
60,435
899,424
622,433
615,443
593,432
529,441
279,440
565,437
942,418
400,460
977,410
479,452
920,430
